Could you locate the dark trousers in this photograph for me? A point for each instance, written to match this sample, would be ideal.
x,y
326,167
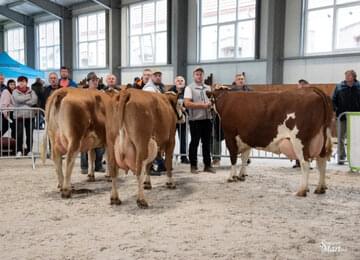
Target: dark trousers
x,y
200,129
181,129
5,125
84,164
28,124
342,137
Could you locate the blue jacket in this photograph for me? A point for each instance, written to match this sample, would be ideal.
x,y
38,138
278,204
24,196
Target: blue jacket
x,y
346,99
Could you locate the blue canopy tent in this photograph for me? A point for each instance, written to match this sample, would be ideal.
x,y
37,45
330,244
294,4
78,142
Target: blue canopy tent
x,y
10,68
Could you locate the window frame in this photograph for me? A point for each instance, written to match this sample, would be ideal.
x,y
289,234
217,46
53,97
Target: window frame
x,y
142,34
78,42
335,8
38,47
19,50
236,39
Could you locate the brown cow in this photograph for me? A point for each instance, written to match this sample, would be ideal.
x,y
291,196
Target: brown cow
x,y
142,124
295,123
75,123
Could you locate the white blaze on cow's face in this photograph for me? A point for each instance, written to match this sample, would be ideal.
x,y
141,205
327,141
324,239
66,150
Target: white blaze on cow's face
x,y
180,111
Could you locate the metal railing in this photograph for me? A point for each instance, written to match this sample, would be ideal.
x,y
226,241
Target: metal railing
x,y
21,132
218,146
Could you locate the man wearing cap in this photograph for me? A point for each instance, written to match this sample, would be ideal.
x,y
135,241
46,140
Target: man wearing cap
x,y
199,105
93,83
155,85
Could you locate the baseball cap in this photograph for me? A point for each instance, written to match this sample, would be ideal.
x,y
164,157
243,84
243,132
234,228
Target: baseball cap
x,y
198,69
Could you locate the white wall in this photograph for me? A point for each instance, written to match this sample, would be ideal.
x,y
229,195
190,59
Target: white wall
x,y
321,69
224,72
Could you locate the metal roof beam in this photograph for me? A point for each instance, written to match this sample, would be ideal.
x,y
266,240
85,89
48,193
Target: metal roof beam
x,y
16,17
103,3
59,11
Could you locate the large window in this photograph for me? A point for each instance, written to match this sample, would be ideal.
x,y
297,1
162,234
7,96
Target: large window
x,y
14,44
148,33
332,26
227,29
48,45
91,40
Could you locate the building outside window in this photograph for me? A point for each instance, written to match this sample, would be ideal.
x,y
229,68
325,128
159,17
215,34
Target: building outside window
x,y
91,40
48,45
332,26
226,29
14,44
148,33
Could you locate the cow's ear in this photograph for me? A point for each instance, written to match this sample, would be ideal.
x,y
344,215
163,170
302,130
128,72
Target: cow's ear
x,y
209,94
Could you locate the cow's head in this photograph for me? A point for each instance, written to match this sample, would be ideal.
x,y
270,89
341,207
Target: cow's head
x,y
177,105
216,94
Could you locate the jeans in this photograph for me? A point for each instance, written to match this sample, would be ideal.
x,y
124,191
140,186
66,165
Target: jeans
x,y
342,153
84,164
181,129
28,124
200,129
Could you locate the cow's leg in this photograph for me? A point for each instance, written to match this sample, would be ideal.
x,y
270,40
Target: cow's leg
x,y
113,171
305,165
70,161
91,162
169,150
57,158
114,198
141,201
147,182
233,150
321,165
244,163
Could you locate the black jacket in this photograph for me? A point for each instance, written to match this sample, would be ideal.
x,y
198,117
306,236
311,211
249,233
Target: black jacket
x,y
346,99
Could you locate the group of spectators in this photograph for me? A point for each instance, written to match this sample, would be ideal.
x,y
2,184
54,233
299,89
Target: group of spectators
x,y
196,106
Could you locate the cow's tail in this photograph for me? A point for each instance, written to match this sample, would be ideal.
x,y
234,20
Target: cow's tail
x,y
51,110
119,114
328,115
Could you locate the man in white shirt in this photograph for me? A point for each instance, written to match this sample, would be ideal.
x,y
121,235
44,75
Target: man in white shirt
x,y
199,105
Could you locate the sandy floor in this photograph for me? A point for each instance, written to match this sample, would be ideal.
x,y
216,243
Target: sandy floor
x,y
204,218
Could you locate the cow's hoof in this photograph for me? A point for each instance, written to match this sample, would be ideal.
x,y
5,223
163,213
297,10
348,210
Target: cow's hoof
x,y
170,185
91,178
301,193
240,178
320,190
115,201
65,193
142,204
147,185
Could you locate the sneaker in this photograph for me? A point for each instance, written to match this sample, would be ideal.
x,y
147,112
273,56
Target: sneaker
x,y
29,154
194,169
216,162
18,154
209,169
102,169
185,160
340,163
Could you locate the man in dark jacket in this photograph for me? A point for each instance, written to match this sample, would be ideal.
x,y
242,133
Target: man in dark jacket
x,y
346,98
53,85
